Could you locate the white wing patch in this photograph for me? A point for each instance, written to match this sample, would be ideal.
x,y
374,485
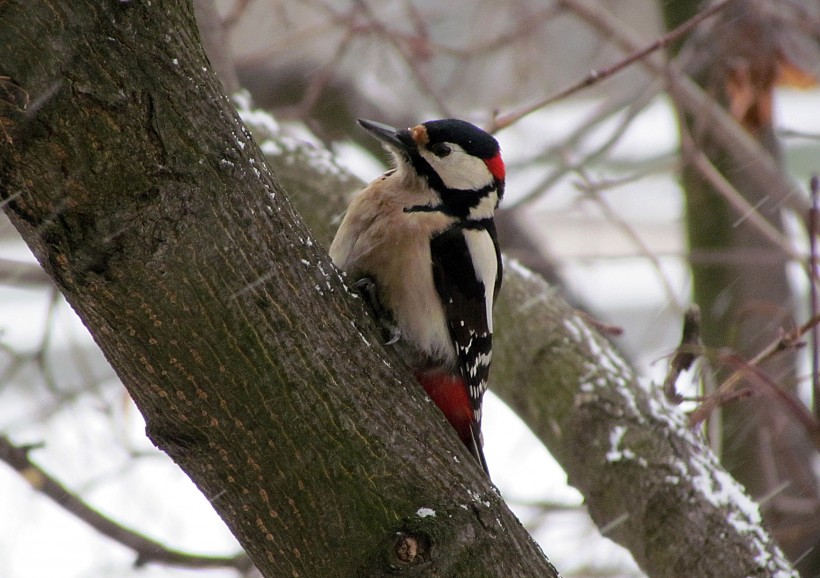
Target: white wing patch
x,y
485,264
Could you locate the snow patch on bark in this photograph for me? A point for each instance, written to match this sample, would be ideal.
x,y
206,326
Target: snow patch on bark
x,y
618,453
274,140
607,372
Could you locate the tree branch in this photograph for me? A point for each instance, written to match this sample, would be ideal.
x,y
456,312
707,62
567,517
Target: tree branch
x,y
631,455
503,121
691,99
147,550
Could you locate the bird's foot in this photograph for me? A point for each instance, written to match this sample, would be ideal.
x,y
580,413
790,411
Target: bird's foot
x,y
366,287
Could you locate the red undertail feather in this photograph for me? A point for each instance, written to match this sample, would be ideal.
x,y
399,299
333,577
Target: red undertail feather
x,y
449,392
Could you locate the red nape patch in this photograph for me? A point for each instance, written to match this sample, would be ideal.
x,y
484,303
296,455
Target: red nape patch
x,y
496,166
450,394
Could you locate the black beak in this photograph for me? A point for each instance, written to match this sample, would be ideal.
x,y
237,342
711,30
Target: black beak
x,y
396,139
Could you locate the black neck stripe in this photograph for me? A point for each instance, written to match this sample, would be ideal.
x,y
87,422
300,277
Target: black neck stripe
x,y
476,224
456,202
463,221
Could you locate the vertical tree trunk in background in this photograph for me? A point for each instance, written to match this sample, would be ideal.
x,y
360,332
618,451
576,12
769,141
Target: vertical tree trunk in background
x,y
739,277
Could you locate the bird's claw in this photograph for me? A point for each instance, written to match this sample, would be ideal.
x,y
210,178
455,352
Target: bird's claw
x,y
366,287
393,333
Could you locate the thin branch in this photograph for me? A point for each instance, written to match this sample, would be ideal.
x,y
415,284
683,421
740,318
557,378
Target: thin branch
x,y
502,121
620,223
728,387
730,194
20,274
147,550
688,96
322,78
409,58
633,105
236,12
792,133
764,383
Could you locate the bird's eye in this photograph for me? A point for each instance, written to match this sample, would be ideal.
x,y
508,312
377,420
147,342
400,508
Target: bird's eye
x,y
441,149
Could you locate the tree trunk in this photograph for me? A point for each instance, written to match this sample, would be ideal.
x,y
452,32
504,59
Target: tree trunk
x,y
144,198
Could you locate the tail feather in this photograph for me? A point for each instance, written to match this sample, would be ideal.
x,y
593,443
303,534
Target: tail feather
x,y
475,446
449,392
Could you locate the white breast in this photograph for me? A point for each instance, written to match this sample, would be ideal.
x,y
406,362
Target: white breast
x,y
415,301
378,238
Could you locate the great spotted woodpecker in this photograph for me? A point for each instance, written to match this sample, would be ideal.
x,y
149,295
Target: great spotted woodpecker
x,y
421,239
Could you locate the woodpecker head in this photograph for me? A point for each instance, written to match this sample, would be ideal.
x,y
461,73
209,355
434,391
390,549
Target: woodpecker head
x,y
456,159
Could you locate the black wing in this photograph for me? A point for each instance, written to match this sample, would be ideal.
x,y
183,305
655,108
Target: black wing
x,y
463,293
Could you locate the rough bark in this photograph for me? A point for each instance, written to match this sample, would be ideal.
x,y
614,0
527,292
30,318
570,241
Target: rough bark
x,y
144,198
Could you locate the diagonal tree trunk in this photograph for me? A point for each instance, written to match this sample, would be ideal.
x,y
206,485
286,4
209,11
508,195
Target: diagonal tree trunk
x,y
145,199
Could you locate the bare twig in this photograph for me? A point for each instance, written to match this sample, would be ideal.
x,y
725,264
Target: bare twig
x,y
634,106
322,77
502,121
406,54
603,328
786,341
761,381
20,274
235,14
689,97
792,133
147,550
613,217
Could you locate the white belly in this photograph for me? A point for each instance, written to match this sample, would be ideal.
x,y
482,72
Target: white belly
x,y
380,239
416,304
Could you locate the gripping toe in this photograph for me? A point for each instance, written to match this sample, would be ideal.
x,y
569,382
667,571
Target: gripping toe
x,y
369,291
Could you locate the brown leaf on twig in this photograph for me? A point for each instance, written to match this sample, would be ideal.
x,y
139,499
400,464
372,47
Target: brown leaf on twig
x,y
688,351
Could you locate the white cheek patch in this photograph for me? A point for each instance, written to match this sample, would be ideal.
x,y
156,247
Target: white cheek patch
x,y
459,170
